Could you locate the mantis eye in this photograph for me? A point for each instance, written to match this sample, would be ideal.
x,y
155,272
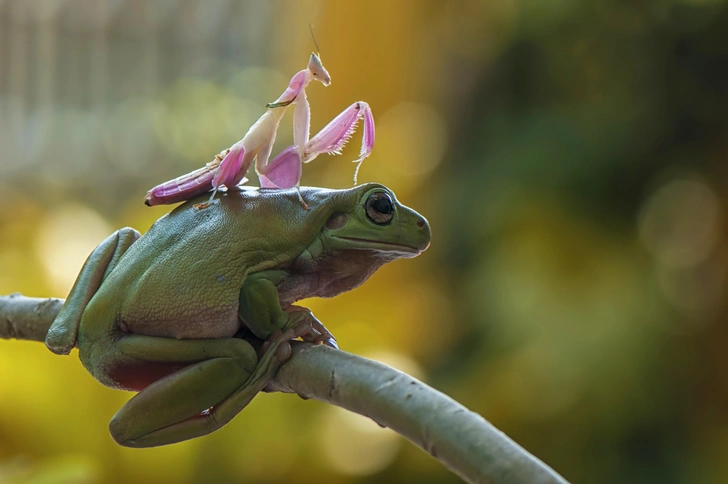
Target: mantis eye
x,y
379,208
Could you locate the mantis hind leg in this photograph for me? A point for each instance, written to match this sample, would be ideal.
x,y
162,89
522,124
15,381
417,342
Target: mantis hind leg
x,y
62,335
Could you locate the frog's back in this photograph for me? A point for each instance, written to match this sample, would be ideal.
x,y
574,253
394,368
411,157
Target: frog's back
x,y
187,270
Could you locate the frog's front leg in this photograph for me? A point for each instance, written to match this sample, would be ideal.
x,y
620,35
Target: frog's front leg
x,y
222,379
260,310
62,334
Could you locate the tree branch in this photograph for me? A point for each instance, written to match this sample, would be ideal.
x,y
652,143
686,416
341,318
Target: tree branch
x,y
27,317
462,440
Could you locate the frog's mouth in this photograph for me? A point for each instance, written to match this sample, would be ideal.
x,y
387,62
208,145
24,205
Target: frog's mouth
x,y
365,244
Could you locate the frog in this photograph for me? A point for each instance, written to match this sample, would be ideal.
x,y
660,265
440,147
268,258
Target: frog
x,y
198,314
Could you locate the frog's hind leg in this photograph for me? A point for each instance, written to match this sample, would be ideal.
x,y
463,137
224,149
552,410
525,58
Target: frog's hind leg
x,y
201,397
62,335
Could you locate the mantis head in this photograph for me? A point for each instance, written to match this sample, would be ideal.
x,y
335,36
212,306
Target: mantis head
x,y
318,71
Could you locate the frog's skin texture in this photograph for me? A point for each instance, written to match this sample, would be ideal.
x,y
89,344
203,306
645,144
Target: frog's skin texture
x,y
162,313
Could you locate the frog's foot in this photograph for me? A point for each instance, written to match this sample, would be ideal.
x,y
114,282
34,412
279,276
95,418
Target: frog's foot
x,y
318,332
278,343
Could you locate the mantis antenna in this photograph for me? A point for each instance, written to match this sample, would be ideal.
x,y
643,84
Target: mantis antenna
x,y
318,51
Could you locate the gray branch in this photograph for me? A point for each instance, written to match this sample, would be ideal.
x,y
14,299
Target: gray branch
x,y
27,317
462,440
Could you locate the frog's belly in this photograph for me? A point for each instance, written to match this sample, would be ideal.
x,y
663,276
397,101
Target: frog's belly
x,y
219,323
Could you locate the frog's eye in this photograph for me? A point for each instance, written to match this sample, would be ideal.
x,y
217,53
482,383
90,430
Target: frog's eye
x,y
379,207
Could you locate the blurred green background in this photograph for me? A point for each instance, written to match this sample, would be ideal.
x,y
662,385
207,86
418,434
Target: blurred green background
x,y
570,156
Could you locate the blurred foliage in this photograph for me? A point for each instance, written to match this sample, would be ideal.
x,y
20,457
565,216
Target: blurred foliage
x,y
571,158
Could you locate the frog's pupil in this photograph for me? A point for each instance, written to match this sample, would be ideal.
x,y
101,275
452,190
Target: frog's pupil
x,y
383,206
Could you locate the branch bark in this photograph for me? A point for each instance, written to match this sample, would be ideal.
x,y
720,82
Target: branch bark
x,y
27,317
462,440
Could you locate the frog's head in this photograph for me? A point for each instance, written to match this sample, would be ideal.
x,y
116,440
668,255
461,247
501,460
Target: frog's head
x,y
378,222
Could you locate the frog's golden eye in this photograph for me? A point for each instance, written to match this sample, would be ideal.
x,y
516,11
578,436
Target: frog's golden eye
x,y
379,208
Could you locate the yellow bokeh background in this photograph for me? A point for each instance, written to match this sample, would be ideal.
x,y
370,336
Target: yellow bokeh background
x,y
570,157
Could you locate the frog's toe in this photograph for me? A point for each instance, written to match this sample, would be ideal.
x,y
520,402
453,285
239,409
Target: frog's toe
x,y
301,328
279,341
299,323
283,352
317,332
272,339
315,336
323,335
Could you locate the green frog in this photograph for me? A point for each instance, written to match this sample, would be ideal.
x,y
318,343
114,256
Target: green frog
x,y
163,313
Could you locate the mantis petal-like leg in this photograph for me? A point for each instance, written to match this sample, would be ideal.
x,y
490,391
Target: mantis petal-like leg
x,y
367,140
284,171
334,136
227,174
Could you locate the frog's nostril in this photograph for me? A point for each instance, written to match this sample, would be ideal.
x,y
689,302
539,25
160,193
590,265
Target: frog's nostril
x,y
421,223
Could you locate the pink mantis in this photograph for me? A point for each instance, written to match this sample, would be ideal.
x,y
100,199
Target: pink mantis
x,y
228,169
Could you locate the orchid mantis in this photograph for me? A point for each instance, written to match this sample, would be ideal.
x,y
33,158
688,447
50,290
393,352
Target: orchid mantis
x,y
229,167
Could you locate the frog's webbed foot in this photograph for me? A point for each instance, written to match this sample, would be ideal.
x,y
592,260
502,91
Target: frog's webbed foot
x,y
278,345
302,324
